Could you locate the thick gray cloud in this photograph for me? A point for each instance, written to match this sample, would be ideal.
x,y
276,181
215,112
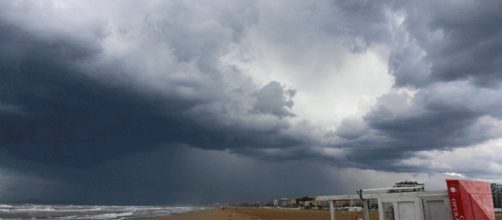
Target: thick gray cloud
x,y
71,87
93,88
454,40
189,176
446,70
352,128
445,116
272,99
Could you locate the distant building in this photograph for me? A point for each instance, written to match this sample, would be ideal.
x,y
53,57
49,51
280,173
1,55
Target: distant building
x,y
342,203
320,204
282,202
497,195
305,202
347,203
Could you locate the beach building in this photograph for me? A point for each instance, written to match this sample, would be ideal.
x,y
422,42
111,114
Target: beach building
x,y
320,204
282,202
292,203
463,199
304,202
341,204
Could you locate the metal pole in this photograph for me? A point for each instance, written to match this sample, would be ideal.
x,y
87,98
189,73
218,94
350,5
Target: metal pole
x,y
332,209
366,213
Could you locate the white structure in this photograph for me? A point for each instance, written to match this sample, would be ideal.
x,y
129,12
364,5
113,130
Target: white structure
x,y
282,202
400,205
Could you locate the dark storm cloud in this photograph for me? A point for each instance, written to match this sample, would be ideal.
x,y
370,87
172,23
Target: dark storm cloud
x,y
72,117
115,93
443,116
78,91
182,175
365,22
453,40
75,120
197,176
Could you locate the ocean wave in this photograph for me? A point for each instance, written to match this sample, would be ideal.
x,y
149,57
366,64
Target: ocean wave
x,y
67,212
107,216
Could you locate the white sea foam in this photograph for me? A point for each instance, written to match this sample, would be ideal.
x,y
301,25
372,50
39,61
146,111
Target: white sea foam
x,y
67,212
107,216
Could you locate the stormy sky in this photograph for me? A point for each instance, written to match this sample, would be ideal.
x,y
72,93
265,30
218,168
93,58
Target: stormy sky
x,y
192,102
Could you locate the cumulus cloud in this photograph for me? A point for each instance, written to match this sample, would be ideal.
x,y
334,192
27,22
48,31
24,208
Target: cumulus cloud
x,y
443,116
445,90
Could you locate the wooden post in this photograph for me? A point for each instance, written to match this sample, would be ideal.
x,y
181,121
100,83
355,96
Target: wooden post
x,y
366,212
332,209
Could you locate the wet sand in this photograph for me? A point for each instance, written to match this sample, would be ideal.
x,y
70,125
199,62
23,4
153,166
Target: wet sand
x,y
263,214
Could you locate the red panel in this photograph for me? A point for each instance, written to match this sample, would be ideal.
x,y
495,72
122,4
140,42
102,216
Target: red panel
x,y
470,200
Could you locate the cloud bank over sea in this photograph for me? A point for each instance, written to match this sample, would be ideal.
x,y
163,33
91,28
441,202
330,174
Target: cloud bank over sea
x,y
192,101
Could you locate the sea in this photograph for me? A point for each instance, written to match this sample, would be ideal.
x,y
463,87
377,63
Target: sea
x,y
32,211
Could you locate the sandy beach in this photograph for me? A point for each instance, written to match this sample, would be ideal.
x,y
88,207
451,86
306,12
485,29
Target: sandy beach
x,y
262,214
267,214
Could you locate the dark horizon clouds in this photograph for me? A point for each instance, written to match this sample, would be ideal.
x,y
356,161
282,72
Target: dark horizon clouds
x,y
96,89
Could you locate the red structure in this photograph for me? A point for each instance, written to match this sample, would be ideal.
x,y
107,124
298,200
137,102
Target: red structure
x,y
470,200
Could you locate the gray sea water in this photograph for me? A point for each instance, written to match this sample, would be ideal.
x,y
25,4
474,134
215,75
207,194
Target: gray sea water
x,y
31,211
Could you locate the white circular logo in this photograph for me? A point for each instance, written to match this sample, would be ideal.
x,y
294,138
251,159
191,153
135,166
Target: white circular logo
x,y
453,189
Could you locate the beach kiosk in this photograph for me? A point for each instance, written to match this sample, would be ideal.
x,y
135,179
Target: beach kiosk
x,y
463,200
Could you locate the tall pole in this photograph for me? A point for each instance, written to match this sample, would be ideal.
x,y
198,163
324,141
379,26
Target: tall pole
x,y
366,213
332,209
